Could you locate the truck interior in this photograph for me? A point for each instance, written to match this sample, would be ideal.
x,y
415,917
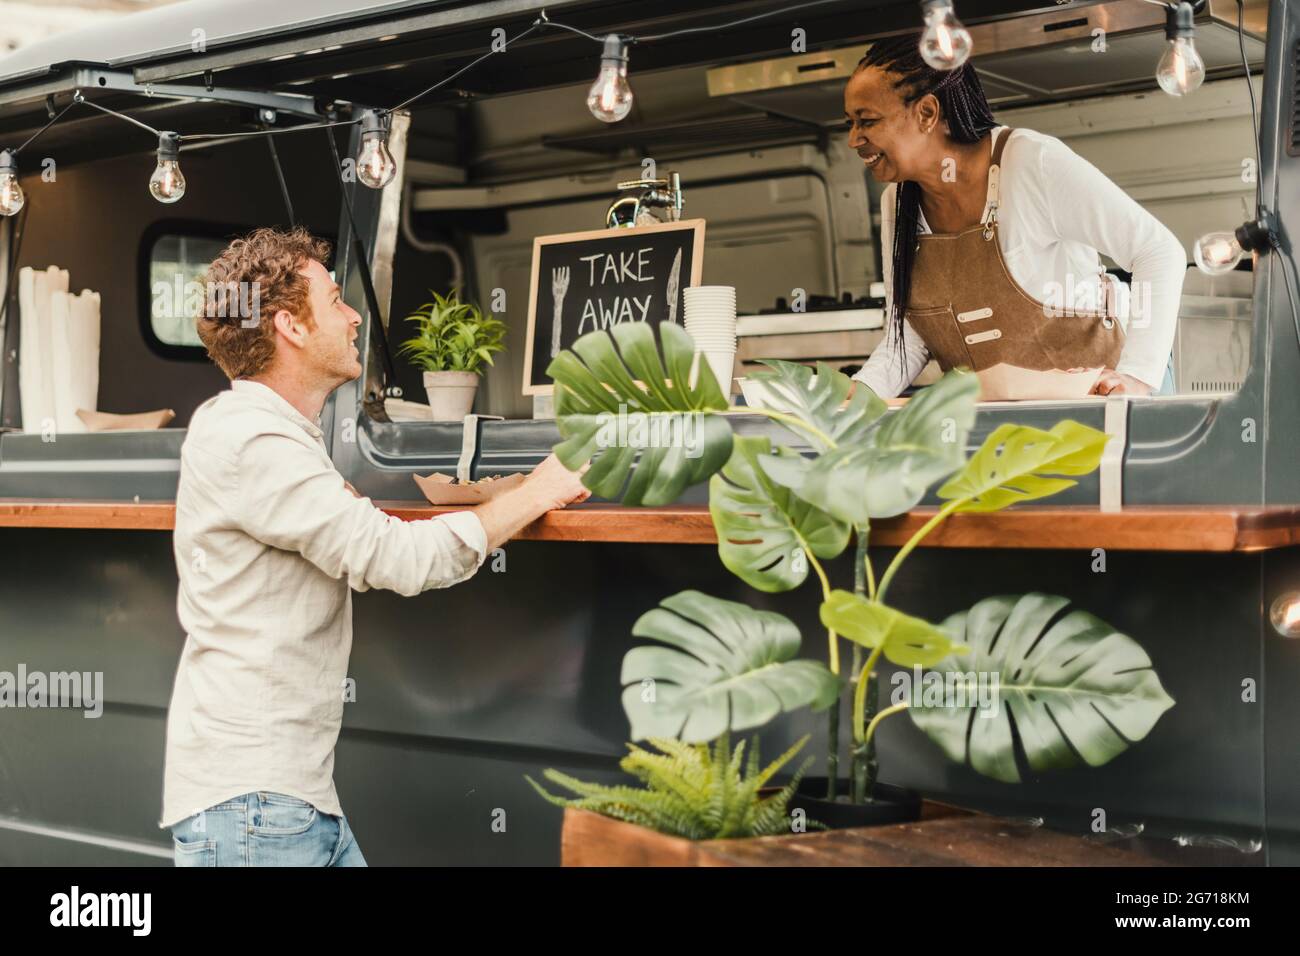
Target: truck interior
x,y
751,121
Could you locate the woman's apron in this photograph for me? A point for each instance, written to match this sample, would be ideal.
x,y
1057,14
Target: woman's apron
x,y
970,312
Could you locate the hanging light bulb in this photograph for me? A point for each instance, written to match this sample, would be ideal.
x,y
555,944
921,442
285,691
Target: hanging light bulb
x,y
610,97
375,164
945,44
167,184
1284,614
1181,69
11,194
1219,252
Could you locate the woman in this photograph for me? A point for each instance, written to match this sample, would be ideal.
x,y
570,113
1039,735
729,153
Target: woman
x,y
991,239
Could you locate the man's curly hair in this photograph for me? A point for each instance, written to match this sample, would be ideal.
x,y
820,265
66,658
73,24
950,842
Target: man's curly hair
x,y
259,270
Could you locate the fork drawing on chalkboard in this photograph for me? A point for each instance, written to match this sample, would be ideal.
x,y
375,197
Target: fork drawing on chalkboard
x,y
559,287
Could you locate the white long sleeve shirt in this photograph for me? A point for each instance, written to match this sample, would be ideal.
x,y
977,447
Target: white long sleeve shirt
x,y
1057,211
268,544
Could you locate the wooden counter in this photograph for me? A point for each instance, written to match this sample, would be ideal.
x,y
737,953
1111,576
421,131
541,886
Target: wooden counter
x,y
1148,528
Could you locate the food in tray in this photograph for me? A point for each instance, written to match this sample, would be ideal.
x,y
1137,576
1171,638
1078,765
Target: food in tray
x,y
440,489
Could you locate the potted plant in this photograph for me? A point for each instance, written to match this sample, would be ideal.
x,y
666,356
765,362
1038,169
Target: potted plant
x,y
453,341
717,667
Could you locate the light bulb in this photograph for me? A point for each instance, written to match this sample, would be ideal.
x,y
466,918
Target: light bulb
x,y
1217,252
1181,68
167,184
1285,614
375,164
11,194
945,44
610,97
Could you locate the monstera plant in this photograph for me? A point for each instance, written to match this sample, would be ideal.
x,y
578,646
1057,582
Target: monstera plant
x,y
1070,687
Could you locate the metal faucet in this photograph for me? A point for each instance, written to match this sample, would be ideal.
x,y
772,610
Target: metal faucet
x,y
629,211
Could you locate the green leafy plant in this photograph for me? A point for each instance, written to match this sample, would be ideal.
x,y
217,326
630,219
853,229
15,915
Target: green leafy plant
x,y
1077,689
690,790
727,667
452,336
598,401
1073,688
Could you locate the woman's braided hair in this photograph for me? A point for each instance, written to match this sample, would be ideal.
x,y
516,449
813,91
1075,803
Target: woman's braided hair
x,y
964,106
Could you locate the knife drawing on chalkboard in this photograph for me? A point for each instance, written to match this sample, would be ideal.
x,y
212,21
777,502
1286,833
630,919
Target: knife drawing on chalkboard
x,y
559,287
673,275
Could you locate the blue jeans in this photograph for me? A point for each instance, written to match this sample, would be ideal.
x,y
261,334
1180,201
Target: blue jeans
x,y
264,829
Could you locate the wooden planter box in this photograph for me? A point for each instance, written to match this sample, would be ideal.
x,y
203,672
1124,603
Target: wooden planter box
x,y
944,836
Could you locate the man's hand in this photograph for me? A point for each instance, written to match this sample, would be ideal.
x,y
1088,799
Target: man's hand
x,y
550,486
1111,382
555,485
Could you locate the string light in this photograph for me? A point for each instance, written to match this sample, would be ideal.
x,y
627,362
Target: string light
x,y
1217,253
375,164
610,97
167,184
945,44
11,194
1181,69
1284,614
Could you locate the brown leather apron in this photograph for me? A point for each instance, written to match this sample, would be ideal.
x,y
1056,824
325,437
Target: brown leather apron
x,y
970,312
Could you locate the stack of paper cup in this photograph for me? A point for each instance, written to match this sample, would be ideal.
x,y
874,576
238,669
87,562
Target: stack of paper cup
x,y
711,322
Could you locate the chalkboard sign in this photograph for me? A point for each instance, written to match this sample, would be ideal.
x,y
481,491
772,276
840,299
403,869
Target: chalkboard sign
x,y
586,281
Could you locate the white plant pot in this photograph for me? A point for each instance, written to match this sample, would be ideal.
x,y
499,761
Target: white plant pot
x,y
451,394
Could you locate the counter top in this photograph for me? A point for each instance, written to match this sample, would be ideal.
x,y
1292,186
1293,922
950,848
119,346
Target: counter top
x,y
1206,528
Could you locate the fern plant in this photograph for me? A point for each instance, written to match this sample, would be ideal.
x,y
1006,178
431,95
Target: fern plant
x,y
453,336
690,790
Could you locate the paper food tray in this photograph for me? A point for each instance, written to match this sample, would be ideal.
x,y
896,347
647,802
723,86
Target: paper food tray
x,y
439,490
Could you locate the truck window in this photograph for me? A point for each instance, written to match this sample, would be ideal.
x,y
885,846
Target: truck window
x,y
175,260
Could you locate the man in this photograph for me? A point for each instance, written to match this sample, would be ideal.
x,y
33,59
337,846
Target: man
x,y
270,541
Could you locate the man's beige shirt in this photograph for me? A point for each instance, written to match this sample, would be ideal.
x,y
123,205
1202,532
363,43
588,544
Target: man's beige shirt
x,y
269,546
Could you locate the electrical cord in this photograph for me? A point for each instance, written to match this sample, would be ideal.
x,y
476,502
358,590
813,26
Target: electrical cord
x,y
53,119
716,28
1275,243
543,21
377,331
207,137
17,229
468,66
78,98
1274,240
284,185
1254,119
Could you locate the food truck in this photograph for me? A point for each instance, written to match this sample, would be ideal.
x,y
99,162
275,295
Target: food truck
x,y
1184,537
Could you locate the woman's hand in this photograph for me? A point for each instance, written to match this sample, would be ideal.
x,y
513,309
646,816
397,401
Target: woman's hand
x,y
1111,382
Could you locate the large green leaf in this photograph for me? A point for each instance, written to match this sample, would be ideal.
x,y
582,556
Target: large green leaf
x,y
818,404
1075,688
727,667
908,641
764,532
1018,463
660,433
889,471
